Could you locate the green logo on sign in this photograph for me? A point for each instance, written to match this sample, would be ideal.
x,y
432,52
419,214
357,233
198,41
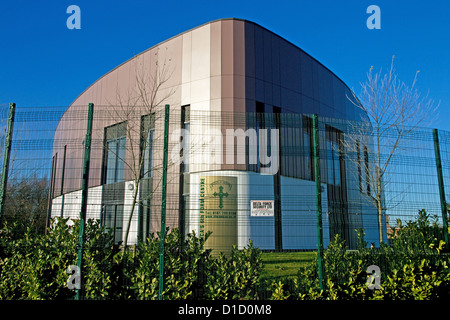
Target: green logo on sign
x,y
221,195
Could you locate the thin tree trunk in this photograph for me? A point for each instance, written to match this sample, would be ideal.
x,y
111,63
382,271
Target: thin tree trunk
x,y
380,220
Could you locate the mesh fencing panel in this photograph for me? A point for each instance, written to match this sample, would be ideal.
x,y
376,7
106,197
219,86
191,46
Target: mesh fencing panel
x,y
238,176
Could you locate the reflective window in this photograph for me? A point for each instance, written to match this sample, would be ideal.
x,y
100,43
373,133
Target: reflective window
x,y
113,220
366,169
114,165
358,161
334,150
148,136
333,163
186,147
115,160
308,152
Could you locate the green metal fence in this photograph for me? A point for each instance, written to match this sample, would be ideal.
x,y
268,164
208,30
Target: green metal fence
x,y
288,182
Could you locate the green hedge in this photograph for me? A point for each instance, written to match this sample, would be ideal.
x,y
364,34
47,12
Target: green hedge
x,y
414,265
34,266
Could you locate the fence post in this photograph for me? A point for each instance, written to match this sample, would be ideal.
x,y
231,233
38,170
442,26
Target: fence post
x,y
441,185
84,194
318,201
163,203
6,156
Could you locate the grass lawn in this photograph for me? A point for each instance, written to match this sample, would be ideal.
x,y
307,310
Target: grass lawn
x,y
284,264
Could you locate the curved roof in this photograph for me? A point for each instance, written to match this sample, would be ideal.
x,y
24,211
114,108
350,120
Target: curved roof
x,y
197,27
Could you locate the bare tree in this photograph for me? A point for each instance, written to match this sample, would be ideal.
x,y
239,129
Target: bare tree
x,y
394,111
151,90
26,203
146,97
27,189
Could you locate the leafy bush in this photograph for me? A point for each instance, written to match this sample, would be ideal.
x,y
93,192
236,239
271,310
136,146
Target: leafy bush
x,y
413,266
234,276
182,260
34,266
416,281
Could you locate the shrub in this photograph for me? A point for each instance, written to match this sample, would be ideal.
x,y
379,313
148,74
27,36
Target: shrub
x,y
413,266
182,260
35,266
234,276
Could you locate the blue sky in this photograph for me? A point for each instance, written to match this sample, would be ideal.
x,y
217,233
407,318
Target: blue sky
x,y
43,63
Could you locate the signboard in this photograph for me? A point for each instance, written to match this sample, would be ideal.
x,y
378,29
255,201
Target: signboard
x,y
218,212
261,208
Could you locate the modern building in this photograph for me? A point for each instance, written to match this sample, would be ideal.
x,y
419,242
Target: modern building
x,y
226,80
